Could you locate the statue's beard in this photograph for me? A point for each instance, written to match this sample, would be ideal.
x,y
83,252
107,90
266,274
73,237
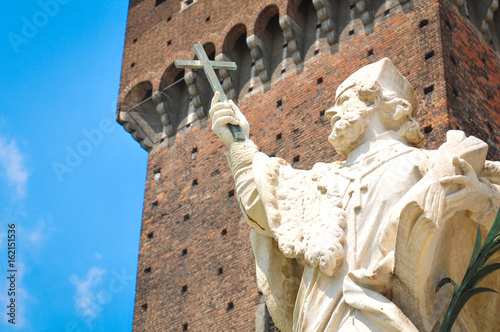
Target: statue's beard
x,y
347,131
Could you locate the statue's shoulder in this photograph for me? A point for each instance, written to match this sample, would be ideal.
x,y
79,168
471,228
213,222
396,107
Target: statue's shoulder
x,y
325,167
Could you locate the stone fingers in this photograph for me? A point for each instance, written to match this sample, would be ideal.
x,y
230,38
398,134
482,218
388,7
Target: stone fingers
x,y
219,106
222,121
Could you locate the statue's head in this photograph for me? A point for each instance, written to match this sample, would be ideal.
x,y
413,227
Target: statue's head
x,y
375,98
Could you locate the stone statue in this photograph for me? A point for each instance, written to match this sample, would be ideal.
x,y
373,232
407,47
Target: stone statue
x,y
360,245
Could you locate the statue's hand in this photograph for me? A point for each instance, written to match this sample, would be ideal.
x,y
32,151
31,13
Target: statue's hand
x,y
223,113
472,193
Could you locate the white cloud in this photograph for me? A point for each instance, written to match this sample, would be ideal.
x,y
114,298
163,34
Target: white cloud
x,y
86,301
12,161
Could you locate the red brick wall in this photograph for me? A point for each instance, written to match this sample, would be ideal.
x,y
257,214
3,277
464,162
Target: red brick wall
x,y
399,36
472,70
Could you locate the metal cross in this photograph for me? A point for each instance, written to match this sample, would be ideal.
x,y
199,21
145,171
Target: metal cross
x,y
208,66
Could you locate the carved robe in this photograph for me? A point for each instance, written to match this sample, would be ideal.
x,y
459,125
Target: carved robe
x,y
325,240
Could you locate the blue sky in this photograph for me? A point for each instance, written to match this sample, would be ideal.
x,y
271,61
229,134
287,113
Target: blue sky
x,y
71,179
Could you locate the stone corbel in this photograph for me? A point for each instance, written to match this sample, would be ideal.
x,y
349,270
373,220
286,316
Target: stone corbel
x,y
258,53
364,13
196,100
227,83
294,37
326,18
167,118
488,17
131,122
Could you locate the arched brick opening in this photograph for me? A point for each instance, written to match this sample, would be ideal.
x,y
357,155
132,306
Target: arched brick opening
x,y
236,49
175,97
268,30
138,115
307,18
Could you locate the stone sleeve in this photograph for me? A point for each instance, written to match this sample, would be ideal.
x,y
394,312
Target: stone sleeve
x,y
240,158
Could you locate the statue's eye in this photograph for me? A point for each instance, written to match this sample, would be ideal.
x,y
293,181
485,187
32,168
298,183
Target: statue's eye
x,y
341,101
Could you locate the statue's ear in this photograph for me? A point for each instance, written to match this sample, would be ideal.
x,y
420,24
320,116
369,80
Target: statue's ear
x,y
402,108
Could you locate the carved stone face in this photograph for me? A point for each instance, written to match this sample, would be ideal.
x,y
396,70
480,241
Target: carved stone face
x,y
348,121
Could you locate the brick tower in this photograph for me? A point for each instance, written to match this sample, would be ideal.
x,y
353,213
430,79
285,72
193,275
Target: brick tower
x,y
196,269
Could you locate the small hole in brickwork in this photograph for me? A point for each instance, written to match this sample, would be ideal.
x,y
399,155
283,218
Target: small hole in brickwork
x,y
316,52
279,103
285,45
150,235
271,154
224,232
483,59
184,252
207,19
214,173
184,288
283,70
489,96
132,65
220,271
185,326
448,24
351,32
490,127
144,307
230,306
322,113
186,217
134,41
387,12
428,128
156,175
429,55
369,52
279,136
159,2
319,80
230,193
169,18
188,125
352,6
147,270
452,59
423,23
454,92
253,63
296,159
195,182
194,152
169,42
250,89
154,203
428,89
318,25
